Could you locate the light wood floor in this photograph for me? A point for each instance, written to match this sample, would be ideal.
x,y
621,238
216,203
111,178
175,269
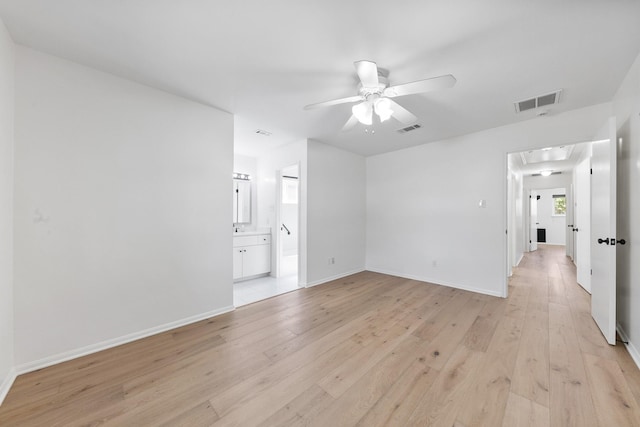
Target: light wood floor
x,y
367,350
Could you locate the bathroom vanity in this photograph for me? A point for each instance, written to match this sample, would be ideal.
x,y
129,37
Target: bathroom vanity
x,y
251,254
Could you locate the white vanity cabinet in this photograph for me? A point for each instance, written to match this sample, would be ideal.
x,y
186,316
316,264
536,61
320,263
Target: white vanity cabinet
x,y
251,256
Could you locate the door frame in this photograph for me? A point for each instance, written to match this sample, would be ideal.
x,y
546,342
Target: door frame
x,y
525,213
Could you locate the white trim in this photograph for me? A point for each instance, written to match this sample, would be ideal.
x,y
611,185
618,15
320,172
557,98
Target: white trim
x,y
519,260
449,285
329,279
633,351
7,383
94,348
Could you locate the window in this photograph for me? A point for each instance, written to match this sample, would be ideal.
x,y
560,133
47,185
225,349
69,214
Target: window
x,y
559,205
289,190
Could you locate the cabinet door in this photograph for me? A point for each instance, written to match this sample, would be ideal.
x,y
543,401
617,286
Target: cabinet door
x,y
257,260
237,263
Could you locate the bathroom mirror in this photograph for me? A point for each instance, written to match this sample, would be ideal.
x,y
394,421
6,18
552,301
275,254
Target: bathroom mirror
x,y
241,201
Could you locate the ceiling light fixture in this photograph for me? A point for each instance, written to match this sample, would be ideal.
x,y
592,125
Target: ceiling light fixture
x,y
363,112
545,173
383,108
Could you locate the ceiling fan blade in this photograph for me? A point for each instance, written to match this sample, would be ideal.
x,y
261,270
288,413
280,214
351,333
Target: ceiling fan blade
x,y
353,120
401,114
368,73
355,98
426,85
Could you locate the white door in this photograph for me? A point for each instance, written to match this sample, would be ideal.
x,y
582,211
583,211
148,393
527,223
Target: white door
x,y
570,221
237,263
582,224
603,231
533,221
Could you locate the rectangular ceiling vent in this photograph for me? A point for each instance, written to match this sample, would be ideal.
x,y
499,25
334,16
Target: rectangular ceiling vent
x,y
538,101
552,173
409,128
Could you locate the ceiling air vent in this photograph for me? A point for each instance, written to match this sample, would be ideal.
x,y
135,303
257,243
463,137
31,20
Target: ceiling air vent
x,y
409,128
538,101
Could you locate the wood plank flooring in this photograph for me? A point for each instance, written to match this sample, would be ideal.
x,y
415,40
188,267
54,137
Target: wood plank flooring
x,y
366,350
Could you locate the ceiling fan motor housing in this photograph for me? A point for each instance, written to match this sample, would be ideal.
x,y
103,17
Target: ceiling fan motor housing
x,y
383,83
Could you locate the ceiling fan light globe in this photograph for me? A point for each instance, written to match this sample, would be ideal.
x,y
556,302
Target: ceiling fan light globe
x,y
383,109
363,112
384,117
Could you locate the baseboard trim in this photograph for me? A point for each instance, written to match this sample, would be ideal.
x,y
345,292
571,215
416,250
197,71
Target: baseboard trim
x,y
633,351
519,260
7,383
449,285
329,279
104,345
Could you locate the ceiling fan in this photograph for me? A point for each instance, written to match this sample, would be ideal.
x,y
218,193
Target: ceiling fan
x,y
374,95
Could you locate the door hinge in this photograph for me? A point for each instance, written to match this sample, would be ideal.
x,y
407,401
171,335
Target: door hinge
x,y
591,171
591,272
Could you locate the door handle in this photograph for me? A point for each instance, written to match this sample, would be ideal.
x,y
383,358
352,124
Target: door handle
x,y
605,241
620,242
575,229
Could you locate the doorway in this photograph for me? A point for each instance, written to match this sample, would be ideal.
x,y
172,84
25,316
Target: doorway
x,y
546,213
288,240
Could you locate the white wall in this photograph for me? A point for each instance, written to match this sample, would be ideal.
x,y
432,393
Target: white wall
x,y
423,219
268,167
6,210
555,226
248,165
336,212
122,210
627,111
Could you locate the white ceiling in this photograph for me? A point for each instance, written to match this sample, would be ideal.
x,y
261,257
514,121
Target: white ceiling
x,y
265,60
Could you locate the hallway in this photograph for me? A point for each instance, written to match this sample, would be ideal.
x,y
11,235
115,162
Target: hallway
x,y
563,351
